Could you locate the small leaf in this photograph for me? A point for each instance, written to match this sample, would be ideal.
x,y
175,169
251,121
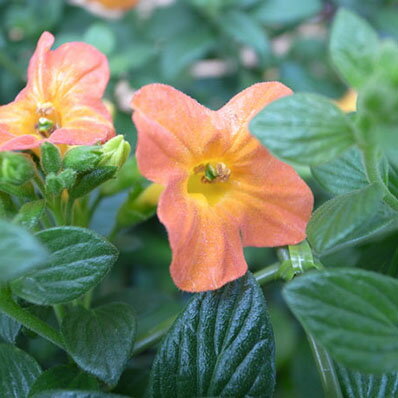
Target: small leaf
x,y
276,12
30,213
360,385
180,52
20,252
75,394
303,128
79,260
338,218
249,33
100,340
9,328
221,345
18,371
64,376
354,47
352,313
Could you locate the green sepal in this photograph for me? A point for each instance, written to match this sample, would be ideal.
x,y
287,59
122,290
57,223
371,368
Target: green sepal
x,y
50,158
92,180
15,168
83,158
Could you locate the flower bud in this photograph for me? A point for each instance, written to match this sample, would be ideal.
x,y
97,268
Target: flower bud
x,y
55,184
82,158
15,168
115,152
50,158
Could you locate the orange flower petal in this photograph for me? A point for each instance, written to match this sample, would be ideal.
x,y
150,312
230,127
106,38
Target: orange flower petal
x,y
174,130
72,70
116,4
207,250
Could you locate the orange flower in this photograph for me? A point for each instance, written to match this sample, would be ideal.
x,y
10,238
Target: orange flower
x,y
348,103
116,4
61,102
223,190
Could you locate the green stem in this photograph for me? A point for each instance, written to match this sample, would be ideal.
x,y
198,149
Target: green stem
x,y
324,363
153,336
94,206
69,212
371,161
9,307
267,274
59,311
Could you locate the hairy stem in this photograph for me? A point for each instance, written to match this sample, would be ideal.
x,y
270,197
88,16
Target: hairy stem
x,y
327,373
9,307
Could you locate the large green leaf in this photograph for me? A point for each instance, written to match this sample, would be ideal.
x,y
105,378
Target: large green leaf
x,y
221,345
360,385
20,252
353,46
64,376
342,175
18,371
352,313
336,222
9,328
100,340
275,12
79,260
303,128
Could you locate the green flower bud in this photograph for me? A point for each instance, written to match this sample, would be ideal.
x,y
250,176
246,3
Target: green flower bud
x,y
115,152
15,168
82,158
55,184
50,158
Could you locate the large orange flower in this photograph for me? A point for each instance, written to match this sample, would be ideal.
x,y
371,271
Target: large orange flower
x,y
61,102
223,190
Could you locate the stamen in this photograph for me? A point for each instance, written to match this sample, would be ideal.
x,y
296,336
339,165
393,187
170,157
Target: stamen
x,y
45,109
45,126
213,173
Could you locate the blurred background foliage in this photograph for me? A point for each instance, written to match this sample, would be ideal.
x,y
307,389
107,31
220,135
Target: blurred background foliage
x,y
210,49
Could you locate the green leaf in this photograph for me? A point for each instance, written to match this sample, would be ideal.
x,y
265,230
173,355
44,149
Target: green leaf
x,y
92,180
303,128
246,30
9,328
101,36
352,313
75,394
221,345
78,261
64,376
275,12
342,175
30,213
18,371
184,49
20,252
360,385
100,340
354,47
338,218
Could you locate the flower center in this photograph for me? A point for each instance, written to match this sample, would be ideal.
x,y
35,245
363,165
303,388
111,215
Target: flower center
x,y
48,120
210,180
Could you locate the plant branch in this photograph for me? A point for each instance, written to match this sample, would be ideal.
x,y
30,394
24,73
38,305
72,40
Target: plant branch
x,y
327,373
9,307
267,274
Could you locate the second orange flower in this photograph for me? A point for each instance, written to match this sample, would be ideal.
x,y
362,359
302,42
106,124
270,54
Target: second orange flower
x,y
223,189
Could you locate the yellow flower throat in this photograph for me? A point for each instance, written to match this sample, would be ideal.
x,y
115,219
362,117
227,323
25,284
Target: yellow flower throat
x,y
209,181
